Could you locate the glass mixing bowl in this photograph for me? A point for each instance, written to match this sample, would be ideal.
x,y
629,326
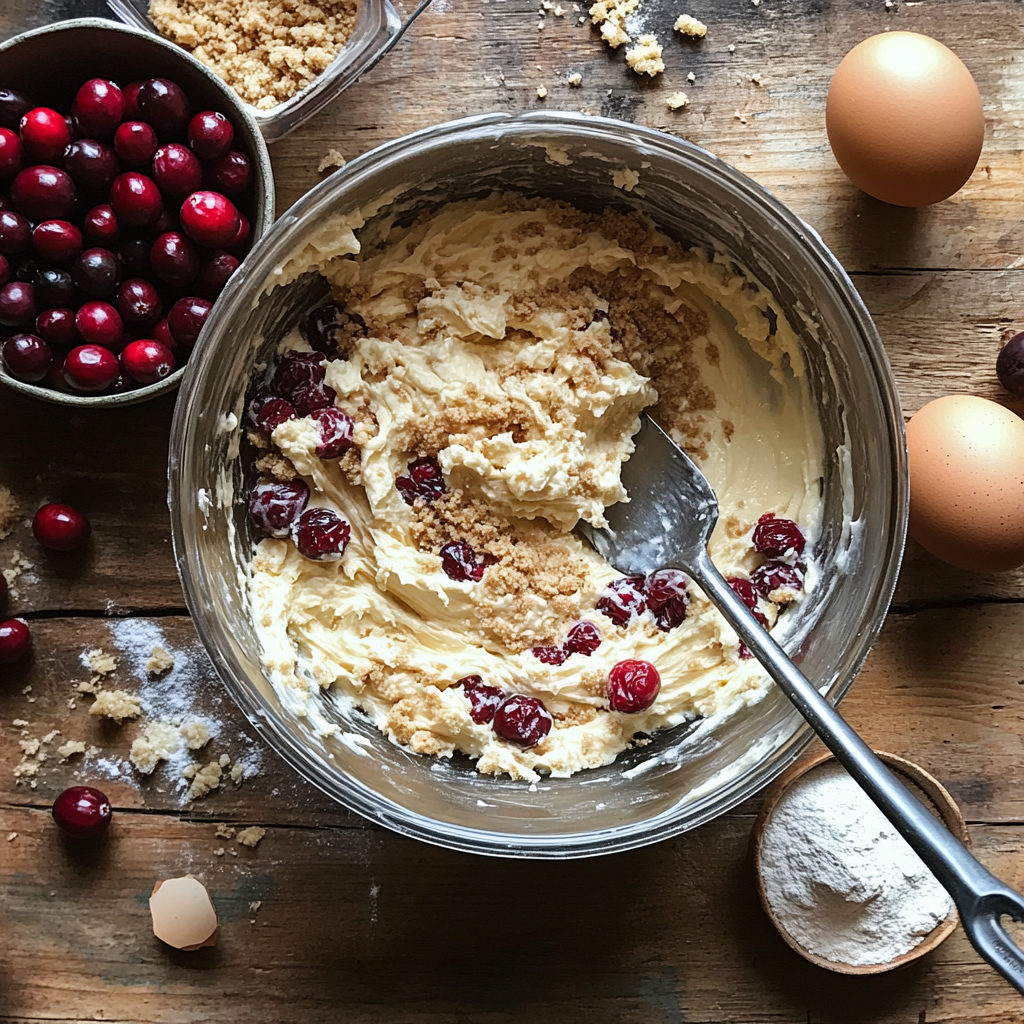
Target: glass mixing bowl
x,y
686,776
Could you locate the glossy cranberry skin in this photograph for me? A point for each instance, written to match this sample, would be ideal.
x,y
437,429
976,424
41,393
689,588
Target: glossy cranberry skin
x,y
229,174
135,143
147,361
336,430
210,134
5,270
138,302
93,165
273,508
522,721
60,527
13,107
43,193
56,327
177,170
97,108
90,368
623,599
459,562
666,597
136,200
744,590
82,812
162,333
15,641
27,357
53,287
99,323
322,328
186,318
240,243
17,304
56,241
483,700
44,134
174,259
295,372
550,655
583,638
633,686
214,274
774,576
423,480
131,100
100,226
775,537
15,232
12,153
96,273
273,413
133,256
210,219
322,535
165,106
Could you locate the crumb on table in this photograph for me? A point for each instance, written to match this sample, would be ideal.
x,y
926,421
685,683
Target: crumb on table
x,y
690,26
611,16
541,92
251,836
159,742
101,663
677,100
196,734
645,57
204,779
8,512
332,158
160,662
116,704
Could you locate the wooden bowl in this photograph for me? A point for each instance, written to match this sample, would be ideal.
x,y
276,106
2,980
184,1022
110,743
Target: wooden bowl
x,y
925,787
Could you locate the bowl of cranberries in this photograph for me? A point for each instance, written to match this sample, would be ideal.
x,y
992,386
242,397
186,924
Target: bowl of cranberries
x,y
132,184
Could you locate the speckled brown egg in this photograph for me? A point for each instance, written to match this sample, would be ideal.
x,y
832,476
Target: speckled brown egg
x,y
904,119
967,483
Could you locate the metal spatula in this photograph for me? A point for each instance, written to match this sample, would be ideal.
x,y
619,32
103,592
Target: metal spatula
x,y
667,524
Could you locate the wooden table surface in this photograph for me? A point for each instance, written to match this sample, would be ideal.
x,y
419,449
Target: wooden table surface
x,y
355,924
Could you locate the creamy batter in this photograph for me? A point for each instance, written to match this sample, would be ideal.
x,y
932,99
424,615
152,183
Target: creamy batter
x,y
516,342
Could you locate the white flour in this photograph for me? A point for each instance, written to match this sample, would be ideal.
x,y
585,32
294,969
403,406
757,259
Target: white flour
x,y
841,880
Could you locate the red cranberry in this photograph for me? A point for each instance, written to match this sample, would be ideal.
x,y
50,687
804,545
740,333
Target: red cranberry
x,y
162,333
549,655
44,134
43,193
15,232
55,379
131,100
17,304
230,174
56,327
92,165
53,287
210,134
136,200
5,270
214,274
28,358
666,597
671,614
623,599
60,527
744,590
147,361
165,106
774,576
177,170
336,430
424,480
138,302
135,143
100,226
186,318
15,640
458,560
209,219
299,377
777,537
99,323
167,221
322,328
483,700
633,686
12,153
240,242
274,507
322,534
26,268
98,108
133,256
90,368
82,812
273,413
96,272
56,241
174,259
583,638
522,721
13,107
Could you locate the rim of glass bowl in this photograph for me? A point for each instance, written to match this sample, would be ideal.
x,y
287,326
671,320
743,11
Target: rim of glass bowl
x,y
263,200
355,796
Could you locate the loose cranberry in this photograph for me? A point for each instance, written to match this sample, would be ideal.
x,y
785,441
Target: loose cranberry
x,y
583,638
177,170
777,537
522,721
17,304
53,287
15,640
774,576
336,430
90,368
274,507
186,318
147,361
240,243
135,143
424,480
165,106
56,241
44,134
138,302
322,328
13,107
133,256
82,812
214,274
98,108
60,527
135,200
623,599
273,413
549,655
27,357
210,134
174,259
322,534
12,153
209,219
100,226
99,323
57,327
162,333
131,100
55,379
744,590
483,700
96,272
15,232
633,686
230,174
43,193
458,560
93,165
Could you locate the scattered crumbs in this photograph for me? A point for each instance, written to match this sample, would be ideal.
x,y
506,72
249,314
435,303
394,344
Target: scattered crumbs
x,y
159,742
739,117
26,689
9,512
746,153
116,704
575,79
19,564
204,779
51,736
691,77
70,748
11,836
224,761
237,773
19,723
540,25
611,16
332,158
645,57
29,747
541,92
757,79
219,852
233,853
690,26
251,836
87,687
71,703
677,100
225,832
101,663
160,662
196,734
253,907
731,48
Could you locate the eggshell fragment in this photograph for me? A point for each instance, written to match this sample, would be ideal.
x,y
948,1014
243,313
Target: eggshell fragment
x,y
967,483
183,914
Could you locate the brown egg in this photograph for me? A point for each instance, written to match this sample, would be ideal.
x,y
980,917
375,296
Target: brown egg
x,y
183,914
967,483
904,119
